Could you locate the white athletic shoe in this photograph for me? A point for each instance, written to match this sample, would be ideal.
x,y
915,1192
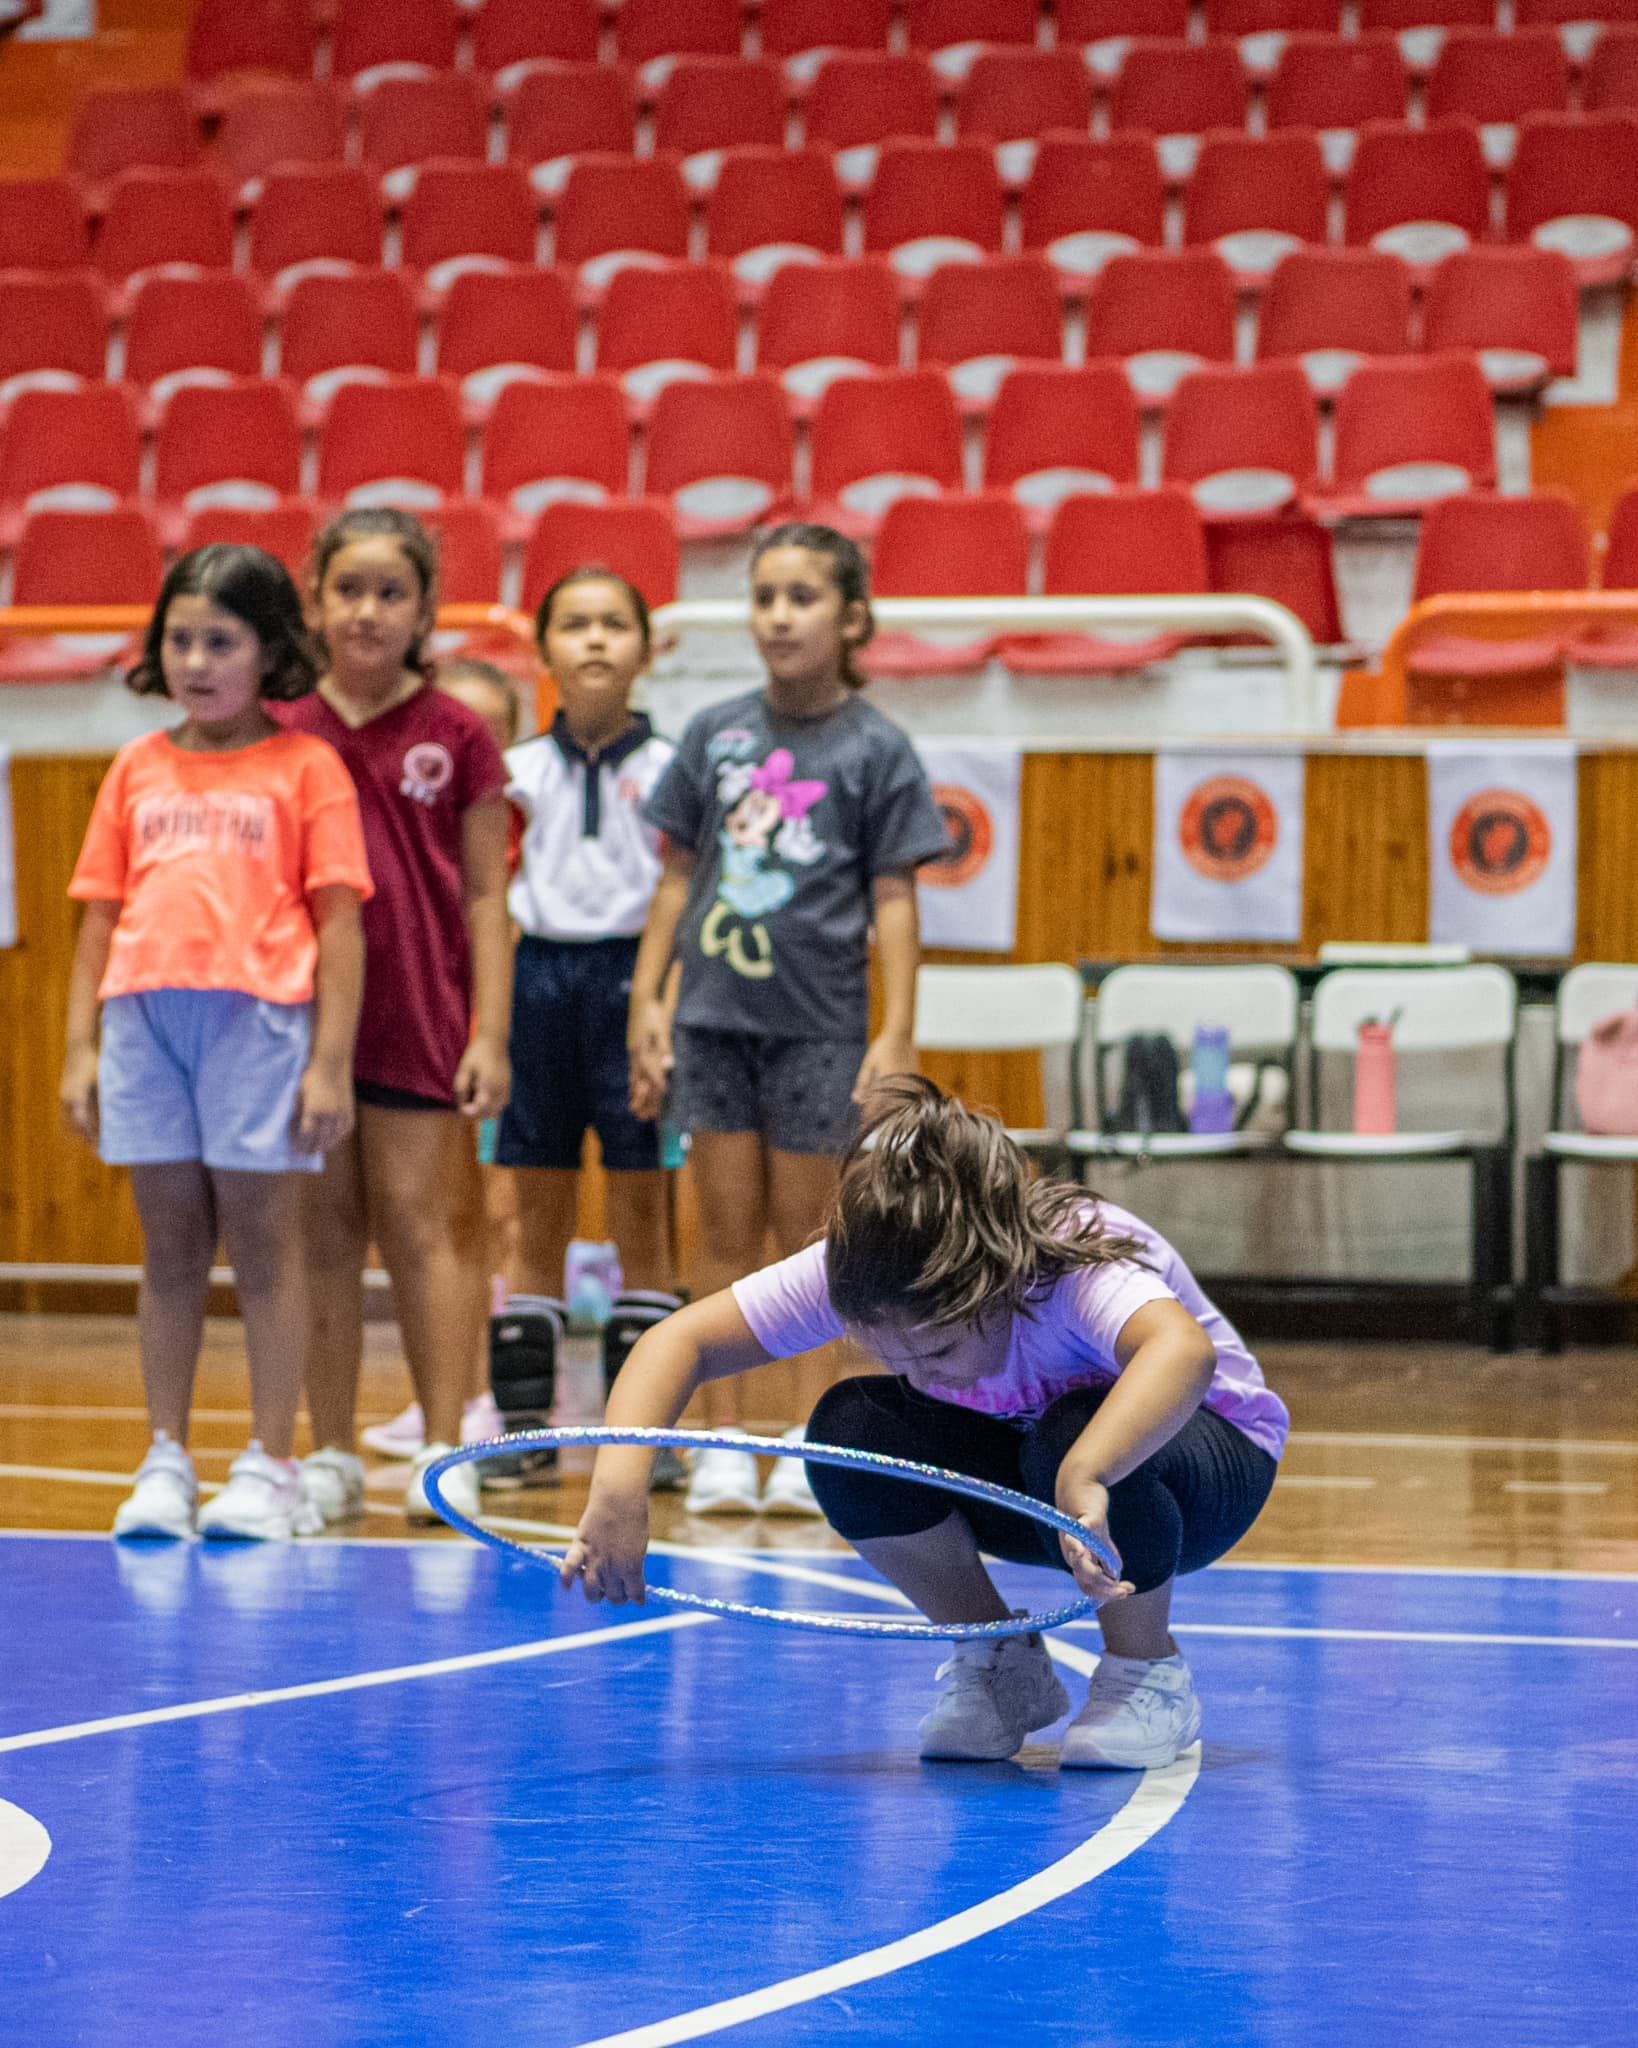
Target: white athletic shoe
x,y
404,1437
481,1419
334,1484
1139,1716
787,1491
724,1482
460,1487
165,1499
995,1691
263,1502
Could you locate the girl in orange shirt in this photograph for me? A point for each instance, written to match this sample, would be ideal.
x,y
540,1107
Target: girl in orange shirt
x,y
221,874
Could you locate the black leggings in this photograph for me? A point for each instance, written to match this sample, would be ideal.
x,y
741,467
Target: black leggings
x,y
1177,1512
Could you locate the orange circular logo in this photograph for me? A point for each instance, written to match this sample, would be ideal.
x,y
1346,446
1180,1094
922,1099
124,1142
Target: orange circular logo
x,y
1500,842
1228,829
972,838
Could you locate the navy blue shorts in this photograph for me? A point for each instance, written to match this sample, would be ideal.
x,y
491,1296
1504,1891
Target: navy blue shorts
x,y
570,1072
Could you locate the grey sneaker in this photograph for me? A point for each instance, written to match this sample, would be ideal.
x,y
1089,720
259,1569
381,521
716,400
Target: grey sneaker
x,y
670,1472
1139,1716
995,1691
263,1502
163,1503
333,1482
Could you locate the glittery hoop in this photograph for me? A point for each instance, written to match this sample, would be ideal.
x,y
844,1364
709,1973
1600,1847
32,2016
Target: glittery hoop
x,y
598,1436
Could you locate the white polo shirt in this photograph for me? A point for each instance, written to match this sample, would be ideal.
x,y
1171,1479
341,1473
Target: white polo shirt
x,y
589,864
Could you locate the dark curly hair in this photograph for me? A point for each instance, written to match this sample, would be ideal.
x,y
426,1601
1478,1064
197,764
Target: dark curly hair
x,y
257,590
420,550
936,1218
849,571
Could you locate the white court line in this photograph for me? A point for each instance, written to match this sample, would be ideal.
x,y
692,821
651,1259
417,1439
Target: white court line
x,y
361,1681
1342,1483
1390,1635
24,1847
1579,1447
1587,1486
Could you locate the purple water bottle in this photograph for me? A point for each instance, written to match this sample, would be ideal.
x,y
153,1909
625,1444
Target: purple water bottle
x,y
1212,1113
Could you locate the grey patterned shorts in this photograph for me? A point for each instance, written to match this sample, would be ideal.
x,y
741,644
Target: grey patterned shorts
x,y
795,1093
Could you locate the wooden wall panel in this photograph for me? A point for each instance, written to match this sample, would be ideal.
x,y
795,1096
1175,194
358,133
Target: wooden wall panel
x,y
1087,831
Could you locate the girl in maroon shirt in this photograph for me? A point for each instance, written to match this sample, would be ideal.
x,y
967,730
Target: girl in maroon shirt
x,y
437,1004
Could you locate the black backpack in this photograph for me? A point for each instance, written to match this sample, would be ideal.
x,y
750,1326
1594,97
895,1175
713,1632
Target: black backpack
x,y
1150,1100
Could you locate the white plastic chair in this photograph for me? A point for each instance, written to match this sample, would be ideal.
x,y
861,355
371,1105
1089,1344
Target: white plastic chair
x,y
1039,1009
1586,996
1257,1004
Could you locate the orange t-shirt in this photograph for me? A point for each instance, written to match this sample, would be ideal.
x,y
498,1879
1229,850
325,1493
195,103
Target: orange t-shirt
x,y
213,857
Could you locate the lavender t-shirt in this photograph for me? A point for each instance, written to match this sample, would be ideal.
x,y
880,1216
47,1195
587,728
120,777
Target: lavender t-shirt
x,y
1068,1342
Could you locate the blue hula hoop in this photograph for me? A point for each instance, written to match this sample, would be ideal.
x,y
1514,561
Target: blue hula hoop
x,y
599,1436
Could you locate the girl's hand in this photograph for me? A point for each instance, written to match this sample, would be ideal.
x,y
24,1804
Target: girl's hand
x,y
1088,1502
483,1080
77,1092
649,1043
324,1107
891,1053
607,1553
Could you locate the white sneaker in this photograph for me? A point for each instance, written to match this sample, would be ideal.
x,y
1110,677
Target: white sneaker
x,y
263,1502
996,1690
404,1437
787,1491
165,1499
1139,1716
334,1484
460,1487
724,1482
481,1419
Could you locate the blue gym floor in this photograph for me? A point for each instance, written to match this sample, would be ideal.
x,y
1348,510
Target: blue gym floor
x,y
359,1795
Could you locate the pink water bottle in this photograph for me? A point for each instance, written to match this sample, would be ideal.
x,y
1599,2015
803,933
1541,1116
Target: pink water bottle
x,y
1376,1106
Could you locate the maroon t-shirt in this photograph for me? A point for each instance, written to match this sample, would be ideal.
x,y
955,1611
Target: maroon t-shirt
x,y
417,768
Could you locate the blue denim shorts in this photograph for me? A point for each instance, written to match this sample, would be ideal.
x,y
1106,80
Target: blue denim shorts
x,y
203,1074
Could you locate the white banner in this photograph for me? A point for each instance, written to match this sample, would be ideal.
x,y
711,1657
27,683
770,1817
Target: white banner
x,y
1502,846
970,897
1228,846
8,856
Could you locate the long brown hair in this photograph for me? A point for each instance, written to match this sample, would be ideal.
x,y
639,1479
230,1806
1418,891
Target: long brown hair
x,y
937,1219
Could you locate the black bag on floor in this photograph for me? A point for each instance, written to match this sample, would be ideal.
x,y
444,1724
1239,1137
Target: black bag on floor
x,y
1150,1093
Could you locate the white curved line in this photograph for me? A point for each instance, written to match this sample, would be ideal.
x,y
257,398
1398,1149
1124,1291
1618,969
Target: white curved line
x,y
1155,1802
24,1847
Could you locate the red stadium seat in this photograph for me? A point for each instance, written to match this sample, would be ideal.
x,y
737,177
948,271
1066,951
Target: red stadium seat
x,y
398,443
1574,187
318,217
467,216
1012,94
647,32
1335,84
42,225
1087,201
714,103
1579,33
278,122
1328,310
359,327
721,454
160,217
798,31
1120,544
1105,28
945,547
931,203
248,36
821,321
130,127
1418,192
772,207
192,329
81,446
1613,646
632,536
1059,433
560,112
1611,81
106,557
1421,25
957,30
1245,442
469,552
1287,560
407,121
1179,91
877,439
1262,27
1256,199
1494,79
1408,432
655,327
860,100
53,330
614,212
368,40
508,34
979,321
1481,541
501,325
1516,308
285,531
564,440
1163,312
233,447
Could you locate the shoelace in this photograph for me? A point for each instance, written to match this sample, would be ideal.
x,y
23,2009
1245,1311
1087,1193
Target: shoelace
x,y
1132,1689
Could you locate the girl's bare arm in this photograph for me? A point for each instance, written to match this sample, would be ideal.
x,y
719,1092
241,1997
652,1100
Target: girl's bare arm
x,y
77,1093
483,1080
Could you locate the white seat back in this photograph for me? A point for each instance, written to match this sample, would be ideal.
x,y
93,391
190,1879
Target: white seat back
x,y
1256,1003
1590,993
999,1009
1439,1009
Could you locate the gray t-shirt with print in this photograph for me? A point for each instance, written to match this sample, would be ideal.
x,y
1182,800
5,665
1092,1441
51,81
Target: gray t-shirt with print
x,y
791,819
